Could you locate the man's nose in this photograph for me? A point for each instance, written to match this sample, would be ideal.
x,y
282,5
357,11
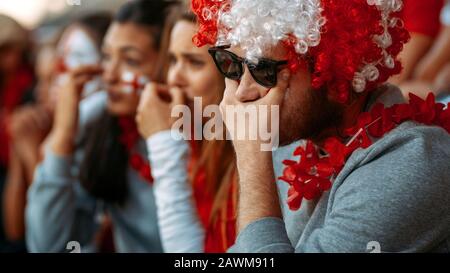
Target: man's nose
x,y
248,89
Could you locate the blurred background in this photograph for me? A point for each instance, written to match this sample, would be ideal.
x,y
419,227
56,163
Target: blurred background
x,y
46,17
32,53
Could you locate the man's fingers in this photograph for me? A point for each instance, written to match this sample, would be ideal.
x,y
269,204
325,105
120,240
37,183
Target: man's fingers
x,y
276,93
230,89
229,95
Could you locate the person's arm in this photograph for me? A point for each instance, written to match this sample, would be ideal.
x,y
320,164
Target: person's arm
x,y
51,206
58,211
442,82
258,193
411,55
51,213
29,126
257,182
180,227
14,200
421,19
439,55
431,74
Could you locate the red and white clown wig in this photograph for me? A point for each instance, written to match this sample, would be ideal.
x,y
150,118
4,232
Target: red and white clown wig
x,y
353,44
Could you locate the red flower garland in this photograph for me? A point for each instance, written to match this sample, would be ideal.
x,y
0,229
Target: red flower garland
x,y
313,173
129,138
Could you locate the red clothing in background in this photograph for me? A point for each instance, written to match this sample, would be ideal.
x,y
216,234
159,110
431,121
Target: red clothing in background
x,y
11,95
220,233
422,16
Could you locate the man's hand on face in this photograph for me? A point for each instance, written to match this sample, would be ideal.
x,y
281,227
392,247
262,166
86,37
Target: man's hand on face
x,y
258,196
232,106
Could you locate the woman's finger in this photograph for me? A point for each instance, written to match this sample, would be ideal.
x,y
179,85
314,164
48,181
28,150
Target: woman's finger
x,y
147,96
177,96
81,80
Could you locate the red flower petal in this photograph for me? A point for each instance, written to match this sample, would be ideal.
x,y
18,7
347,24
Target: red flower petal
x,y
324,169
312,190
325,185
402,112
299,151
146,172
294,199
289,162
136,161
289,174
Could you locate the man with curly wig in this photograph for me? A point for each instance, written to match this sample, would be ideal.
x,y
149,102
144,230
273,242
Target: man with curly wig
x,y
372,169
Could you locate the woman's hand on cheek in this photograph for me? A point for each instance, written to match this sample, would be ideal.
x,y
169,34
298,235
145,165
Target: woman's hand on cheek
x,y
66,110
155,108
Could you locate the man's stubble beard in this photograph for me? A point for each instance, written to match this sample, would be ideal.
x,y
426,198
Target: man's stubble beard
x,y
310,120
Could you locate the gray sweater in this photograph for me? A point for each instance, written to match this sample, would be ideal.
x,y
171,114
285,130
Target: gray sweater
x,y
393,197
59,210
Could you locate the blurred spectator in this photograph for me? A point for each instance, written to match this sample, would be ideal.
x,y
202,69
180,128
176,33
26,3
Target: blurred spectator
x,y
15,75
30,124
432,72
421,19
16,79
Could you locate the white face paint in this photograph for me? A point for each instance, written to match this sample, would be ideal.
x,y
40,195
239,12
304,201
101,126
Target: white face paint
x,y
76,49
133,83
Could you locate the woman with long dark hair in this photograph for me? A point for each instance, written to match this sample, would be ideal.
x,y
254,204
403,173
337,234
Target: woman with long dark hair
x,y
95,163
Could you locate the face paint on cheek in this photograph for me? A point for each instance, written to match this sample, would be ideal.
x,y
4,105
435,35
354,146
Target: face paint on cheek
x,y
133,83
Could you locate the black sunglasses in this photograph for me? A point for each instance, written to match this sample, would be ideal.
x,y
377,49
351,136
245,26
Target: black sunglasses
x,y
232,66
